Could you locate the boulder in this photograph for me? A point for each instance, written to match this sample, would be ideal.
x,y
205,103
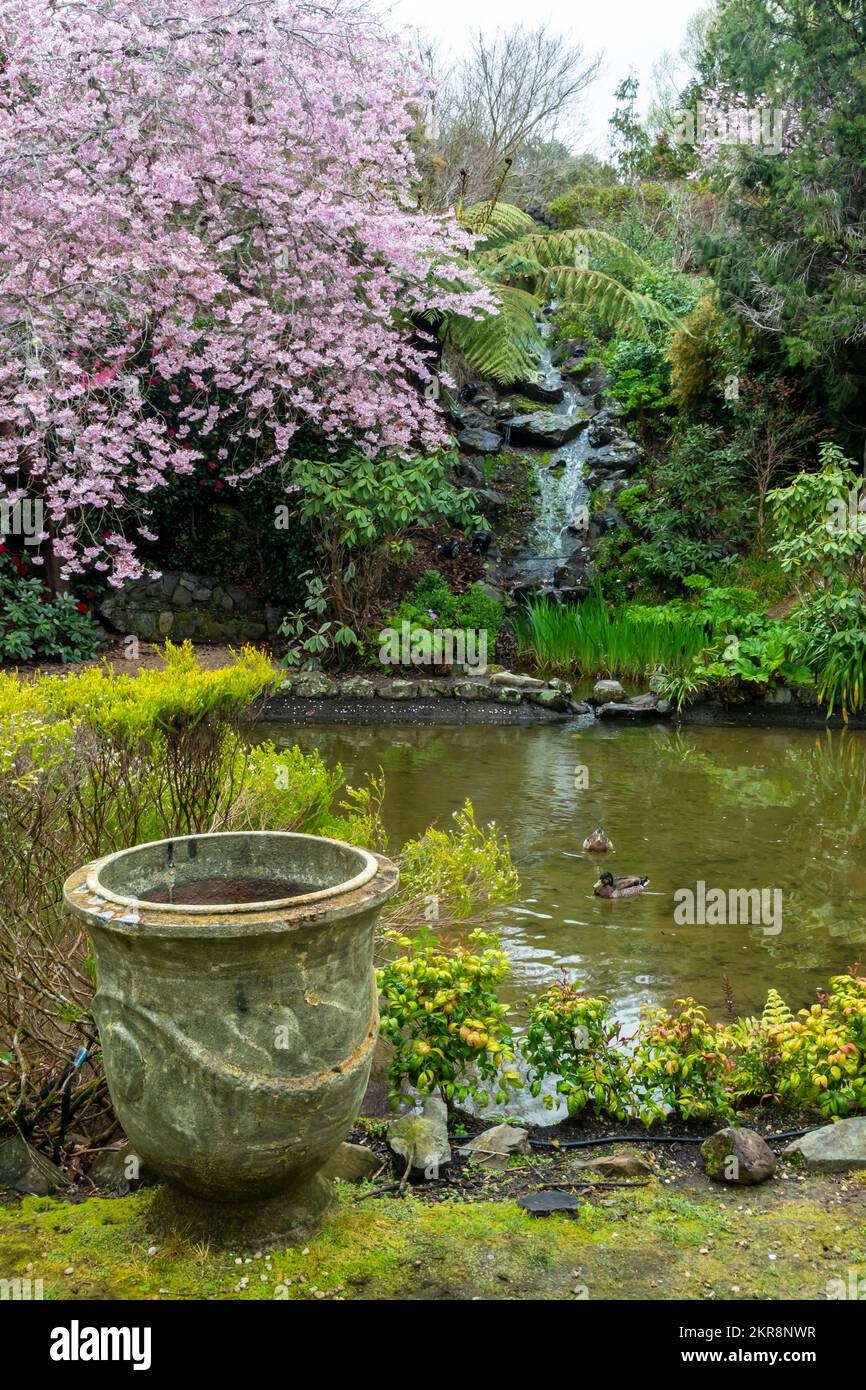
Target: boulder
x,y
633,709
357,688
546,388
591,377
425,1137
478,440
472,690
833,1148
490,503
26,1170
313,685
544,429
738,1156
399,690
549,698
495,1146
608,690
352,1163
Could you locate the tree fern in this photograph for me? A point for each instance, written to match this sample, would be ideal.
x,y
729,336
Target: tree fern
x,y
526,268
503,346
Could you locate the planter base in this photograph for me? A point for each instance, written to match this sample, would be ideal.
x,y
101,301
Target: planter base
x,y
278,1221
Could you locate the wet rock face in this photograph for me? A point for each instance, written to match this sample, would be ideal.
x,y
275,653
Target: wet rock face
x,y
563,412
545,429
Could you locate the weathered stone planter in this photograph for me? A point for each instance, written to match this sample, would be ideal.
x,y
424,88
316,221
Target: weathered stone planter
x,y
237,1035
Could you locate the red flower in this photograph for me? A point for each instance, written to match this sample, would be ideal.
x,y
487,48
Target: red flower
x,y
202,483
82,608
217,484
2,550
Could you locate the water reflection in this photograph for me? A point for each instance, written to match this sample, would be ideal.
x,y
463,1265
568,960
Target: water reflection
x,y
735,808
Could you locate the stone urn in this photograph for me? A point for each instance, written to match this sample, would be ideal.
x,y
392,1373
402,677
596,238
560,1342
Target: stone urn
x,y
237,1012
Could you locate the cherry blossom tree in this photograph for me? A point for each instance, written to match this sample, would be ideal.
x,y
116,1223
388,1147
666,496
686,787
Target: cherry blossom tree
x,y
216,199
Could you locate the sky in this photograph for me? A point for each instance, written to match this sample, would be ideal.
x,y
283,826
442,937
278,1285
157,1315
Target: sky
x,y
631,34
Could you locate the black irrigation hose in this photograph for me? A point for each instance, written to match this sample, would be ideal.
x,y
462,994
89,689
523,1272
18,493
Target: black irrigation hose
x,y
650,1139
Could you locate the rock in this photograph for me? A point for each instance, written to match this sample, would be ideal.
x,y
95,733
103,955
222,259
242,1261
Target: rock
x,y
425,1136
591,376
806,695
603,429
833,1148
619,710
623,454
543,1203
400,690
26,1170
520,682
121,1169
738,1156
778,695
313,685
608,690
619,1166
645,701
664,707
352,1163
472,690
490,503
544,429
564,687
508,695
479,441
492,591
548,698
494,1147
545,388
357,688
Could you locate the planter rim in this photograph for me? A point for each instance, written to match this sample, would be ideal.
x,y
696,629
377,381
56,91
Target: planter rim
x,y
370,866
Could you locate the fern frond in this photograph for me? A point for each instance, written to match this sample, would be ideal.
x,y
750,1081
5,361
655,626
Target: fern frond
x,y
503,346
555,248
498,223
624,309
776,1012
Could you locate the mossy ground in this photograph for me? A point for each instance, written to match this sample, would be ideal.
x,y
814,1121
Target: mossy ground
x,y
675,1237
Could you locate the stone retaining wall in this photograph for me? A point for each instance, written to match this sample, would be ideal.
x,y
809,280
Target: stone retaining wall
x,y
180,605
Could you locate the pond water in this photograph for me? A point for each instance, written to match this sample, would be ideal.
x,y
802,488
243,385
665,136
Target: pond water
x,y
781,809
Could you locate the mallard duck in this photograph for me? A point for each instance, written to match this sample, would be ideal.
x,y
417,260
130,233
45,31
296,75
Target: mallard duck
x,y
610,887
598,842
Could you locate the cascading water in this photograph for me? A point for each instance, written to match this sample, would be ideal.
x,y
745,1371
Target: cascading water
x,y
562,514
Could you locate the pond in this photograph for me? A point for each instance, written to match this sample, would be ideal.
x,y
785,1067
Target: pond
x,y
781,810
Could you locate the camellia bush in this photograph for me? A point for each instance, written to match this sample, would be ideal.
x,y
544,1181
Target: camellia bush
x,y
213,203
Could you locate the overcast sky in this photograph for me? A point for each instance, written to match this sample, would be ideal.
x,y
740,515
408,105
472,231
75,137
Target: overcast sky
x,y
631,33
